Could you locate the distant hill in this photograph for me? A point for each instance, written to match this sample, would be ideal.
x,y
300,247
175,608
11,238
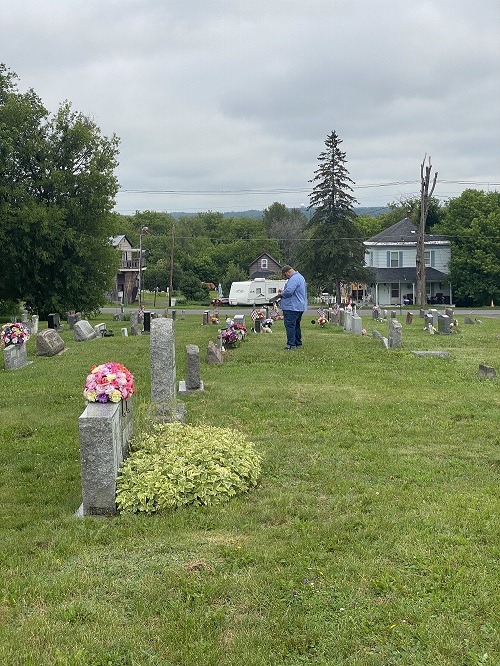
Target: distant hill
x,y
257,214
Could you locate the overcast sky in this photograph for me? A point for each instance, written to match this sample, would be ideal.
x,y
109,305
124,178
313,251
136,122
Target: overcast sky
x,y
225,104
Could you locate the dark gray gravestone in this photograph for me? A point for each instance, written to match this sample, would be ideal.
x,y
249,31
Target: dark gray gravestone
x,y
487,371
54,320
444,324
409,318
147,321
193,381
395,334
49,343
468,320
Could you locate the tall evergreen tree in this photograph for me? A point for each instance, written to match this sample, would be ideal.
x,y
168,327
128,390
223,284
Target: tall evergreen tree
x,y
334,252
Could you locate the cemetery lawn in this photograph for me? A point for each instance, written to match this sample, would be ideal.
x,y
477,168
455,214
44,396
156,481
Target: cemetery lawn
x,y
372,538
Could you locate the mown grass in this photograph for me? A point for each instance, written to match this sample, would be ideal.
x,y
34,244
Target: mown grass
x,y
372,538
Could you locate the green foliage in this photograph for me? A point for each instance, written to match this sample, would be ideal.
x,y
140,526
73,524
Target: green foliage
x,y
57,189
472,223
175,465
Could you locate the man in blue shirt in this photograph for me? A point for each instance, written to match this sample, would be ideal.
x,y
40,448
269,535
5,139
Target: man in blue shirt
x,y
293,304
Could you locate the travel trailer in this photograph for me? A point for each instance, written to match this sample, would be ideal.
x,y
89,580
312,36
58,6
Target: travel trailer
x,y
254,292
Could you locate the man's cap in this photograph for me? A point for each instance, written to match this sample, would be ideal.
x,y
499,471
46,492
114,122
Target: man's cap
x,y
286,268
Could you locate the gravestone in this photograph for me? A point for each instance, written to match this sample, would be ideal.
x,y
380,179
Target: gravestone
x,y
468,320
206,318
34,324
435,354
214,355
409,318
444,324
450,312
357,324
71,318
486,371
105,431
100,329
174,315
147,321
163,370
84,331
375,314
219,340
429,321
193,382
435,315
15,357
394,314
422,313
54,321
125,332
348,321
24,318
395,334
183,314
341,317
135,329
49,343
256,326
377,335
239,319
134,319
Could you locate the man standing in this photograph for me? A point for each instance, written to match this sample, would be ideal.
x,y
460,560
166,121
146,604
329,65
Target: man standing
x,y
293,304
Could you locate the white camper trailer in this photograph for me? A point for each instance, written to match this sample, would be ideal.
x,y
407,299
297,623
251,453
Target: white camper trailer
x,y
254,292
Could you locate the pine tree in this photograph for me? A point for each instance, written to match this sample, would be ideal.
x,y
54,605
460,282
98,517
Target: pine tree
x,y
334,252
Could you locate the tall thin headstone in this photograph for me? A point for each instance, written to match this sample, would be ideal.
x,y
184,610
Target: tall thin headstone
x,y
163,371
192,383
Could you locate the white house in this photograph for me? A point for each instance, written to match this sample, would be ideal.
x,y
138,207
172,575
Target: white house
x,y
391,258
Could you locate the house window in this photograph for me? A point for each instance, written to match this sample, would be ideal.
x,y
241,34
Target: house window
x,y
263,264
427,257
395,260
394,290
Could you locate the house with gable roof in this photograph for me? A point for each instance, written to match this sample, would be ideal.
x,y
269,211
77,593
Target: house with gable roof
x,y
264,266
127,277
391,256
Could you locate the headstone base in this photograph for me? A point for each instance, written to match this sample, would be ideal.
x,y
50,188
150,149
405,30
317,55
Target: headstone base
x,y
183,390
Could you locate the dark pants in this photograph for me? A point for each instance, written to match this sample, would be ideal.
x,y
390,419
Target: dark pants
x,y
291,319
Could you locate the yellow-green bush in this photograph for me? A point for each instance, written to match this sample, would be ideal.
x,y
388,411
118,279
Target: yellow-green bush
x,y
177,464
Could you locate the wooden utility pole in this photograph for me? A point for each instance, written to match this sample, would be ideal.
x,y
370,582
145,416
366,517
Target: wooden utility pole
x,y
171,265
425,196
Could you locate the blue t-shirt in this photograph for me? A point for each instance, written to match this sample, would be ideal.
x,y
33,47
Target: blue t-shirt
x,y
294,295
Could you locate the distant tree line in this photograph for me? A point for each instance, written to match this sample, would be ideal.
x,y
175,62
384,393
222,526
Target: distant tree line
x,y
57,189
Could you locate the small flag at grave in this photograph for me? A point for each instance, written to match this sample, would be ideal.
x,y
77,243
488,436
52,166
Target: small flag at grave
x,y
254,314
321,312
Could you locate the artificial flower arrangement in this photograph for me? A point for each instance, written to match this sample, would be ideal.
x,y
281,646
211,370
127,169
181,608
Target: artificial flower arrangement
x,y
260,314
14,334
109,382
230,338
268,322
214,320
322,321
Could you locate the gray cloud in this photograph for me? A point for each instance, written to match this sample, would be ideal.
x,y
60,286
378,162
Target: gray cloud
x,y
225,95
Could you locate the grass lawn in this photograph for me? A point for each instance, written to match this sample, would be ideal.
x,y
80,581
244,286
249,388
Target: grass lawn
x,y
372,538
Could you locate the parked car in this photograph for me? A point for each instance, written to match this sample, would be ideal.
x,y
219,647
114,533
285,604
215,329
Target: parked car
x,y
218,302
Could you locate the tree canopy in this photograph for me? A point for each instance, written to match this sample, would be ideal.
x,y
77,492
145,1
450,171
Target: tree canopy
x,y
472,224
57,188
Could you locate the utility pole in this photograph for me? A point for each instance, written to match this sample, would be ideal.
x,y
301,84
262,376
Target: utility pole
x,y
425,196
171,265
141,234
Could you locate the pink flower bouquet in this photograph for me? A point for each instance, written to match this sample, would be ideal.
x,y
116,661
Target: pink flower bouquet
x,y
14,334
109,382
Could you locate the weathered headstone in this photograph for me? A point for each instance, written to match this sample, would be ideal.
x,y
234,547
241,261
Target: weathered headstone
x,y
49,343
435,354
377,335
214,355
105,430
84,331
193,381
486,371
450,312
422,313
34,324
341,317
183,314
135,329
444,324
394,314
100,329
409,318
357,324
15,357
435,315
206,318
468,320
134,318
163,371
348,321
125,332
71,319
395,334
174,315
429,321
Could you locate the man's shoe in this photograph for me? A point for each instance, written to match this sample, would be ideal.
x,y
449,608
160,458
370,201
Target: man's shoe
x,y
289,347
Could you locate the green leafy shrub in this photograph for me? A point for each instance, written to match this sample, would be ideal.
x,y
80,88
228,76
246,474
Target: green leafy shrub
x,y
177,464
